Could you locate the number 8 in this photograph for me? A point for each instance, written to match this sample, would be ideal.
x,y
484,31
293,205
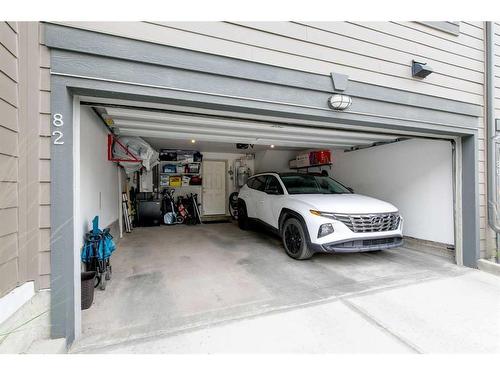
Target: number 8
x,y
58,120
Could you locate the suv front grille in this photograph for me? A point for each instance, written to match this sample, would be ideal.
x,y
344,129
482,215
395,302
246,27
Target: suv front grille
x,y
370,222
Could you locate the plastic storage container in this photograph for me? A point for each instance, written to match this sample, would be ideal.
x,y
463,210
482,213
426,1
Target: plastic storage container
x,y
195,180
321,157
175,181
164,180
170,168
168,155
87,288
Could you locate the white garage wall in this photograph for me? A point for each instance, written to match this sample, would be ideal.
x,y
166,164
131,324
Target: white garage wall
x,y
98,176
273,160
414,175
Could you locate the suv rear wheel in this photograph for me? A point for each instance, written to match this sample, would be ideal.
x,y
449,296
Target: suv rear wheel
x,y
294,240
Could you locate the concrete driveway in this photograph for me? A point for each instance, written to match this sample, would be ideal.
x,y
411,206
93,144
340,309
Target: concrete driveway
x,y
216,289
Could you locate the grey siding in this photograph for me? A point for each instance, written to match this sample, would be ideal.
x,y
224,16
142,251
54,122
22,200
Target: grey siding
x,y
24,246
9,129
372,52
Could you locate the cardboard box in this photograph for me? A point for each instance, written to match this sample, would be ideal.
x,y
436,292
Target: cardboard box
x,y
303,160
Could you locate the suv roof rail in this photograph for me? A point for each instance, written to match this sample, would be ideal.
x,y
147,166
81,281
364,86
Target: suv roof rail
x,y
267,172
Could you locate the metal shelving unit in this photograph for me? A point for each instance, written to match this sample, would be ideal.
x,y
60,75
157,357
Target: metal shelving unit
x,y
329,165
181,174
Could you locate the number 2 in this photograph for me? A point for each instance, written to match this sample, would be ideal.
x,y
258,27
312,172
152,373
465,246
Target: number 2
x,y
58,134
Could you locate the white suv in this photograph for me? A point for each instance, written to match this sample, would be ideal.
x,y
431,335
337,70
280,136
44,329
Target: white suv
x,y
314,213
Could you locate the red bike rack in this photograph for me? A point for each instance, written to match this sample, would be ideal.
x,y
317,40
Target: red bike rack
x,y
133,158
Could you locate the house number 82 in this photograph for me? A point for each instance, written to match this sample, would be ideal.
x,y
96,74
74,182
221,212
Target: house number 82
x,y
58,134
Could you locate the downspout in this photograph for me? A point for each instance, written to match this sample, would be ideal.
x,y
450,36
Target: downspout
x,y
492,142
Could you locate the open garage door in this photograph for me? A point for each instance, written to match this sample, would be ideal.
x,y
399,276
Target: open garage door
x,y
183,275
177,125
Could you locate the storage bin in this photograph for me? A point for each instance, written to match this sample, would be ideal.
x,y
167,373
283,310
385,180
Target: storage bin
x,y
321,157
164,180
197,156
175,181
303,160
170,168
185,156
168,155
193,168
195,180
87,288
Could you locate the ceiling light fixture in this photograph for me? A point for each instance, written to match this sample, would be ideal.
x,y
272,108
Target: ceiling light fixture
x,y
272,146
193,141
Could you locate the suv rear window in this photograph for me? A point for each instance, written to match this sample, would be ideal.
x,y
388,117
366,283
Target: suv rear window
x,y
273,185
257,183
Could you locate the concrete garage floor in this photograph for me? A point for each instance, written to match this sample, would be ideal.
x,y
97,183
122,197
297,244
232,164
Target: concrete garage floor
x,y
216,289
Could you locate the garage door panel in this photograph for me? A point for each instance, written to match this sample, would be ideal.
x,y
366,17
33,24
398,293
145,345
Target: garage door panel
x,y
229,139
216,129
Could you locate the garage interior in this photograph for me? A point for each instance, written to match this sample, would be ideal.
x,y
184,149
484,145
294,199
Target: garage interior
x,y
170,278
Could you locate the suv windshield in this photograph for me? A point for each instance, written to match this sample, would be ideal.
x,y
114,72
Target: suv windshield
x,y
312,184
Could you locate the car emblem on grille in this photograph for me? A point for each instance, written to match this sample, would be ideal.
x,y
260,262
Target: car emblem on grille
x,y
376,220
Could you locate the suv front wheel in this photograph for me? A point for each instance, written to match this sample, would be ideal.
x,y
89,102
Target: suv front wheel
x,y
294,240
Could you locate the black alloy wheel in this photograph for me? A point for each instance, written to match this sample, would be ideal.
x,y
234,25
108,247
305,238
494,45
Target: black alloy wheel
x,y
294,240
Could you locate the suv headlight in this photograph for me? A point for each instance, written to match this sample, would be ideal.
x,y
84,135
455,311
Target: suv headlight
x,y
325,230
321,213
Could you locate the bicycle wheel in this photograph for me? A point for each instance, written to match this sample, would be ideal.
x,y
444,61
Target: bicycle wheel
x,y
233,205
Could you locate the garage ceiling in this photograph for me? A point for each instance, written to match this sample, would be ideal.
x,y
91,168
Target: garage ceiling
x,y
180,126
204,146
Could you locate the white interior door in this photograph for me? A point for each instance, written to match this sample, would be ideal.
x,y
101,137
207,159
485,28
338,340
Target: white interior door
x,y
214,187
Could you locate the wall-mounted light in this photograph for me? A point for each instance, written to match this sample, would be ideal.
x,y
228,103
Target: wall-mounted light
x,y
193,140
272,146
339,102
419,69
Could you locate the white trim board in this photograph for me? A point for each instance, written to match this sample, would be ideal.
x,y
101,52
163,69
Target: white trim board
x,y
77,231
16,298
